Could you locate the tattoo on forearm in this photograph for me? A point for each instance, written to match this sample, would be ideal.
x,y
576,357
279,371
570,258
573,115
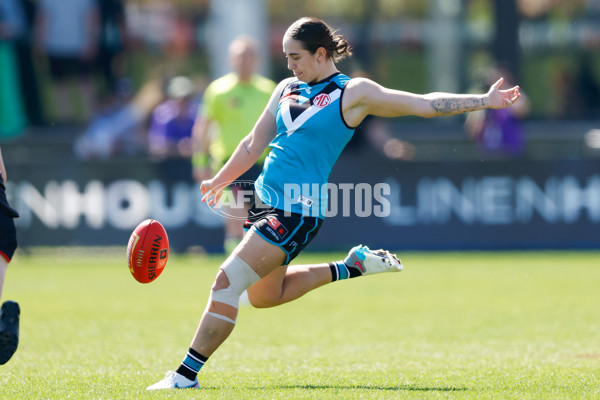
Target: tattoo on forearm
x,y
451,106
246,148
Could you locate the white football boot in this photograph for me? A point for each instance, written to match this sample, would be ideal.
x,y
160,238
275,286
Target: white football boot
x,y
173,380
372,261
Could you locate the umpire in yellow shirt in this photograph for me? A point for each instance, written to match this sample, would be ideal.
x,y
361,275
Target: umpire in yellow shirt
x,y
230,107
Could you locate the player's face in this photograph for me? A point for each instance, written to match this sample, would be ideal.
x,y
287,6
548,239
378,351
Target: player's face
x,y
300,61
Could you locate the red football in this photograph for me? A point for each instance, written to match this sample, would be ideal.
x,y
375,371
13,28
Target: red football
x,y
148,251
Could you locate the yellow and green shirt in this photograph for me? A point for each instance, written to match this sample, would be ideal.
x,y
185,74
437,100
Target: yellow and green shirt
x,y
235,106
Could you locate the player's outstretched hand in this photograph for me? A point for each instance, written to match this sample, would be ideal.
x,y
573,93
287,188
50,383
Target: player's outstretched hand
x,y
211,193
502,98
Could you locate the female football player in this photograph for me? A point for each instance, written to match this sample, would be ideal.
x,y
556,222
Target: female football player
x,y
307,122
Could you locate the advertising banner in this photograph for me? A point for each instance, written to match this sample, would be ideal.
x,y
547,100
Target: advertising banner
x,y
515,204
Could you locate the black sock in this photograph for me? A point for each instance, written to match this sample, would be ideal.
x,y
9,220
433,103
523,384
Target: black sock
x,y
339,271
191,364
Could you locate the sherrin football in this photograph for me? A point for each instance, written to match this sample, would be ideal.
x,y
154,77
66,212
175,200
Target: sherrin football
x,y
148,251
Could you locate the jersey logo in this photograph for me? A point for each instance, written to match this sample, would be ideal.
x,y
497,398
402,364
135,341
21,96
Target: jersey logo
x,y
299,109
322,100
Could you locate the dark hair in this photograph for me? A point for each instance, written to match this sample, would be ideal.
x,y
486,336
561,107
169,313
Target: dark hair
x,y
315,33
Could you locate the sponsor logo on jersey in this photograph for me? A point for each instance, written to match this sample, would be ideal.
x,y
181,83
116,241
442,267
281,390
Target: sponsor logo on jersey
x,y
322,100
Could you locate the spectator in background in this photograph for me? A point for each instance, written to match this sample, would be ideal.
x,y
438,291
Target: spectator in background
x,y
576,90
111,46
499,132
586,84
117,126
28,79
231,105
172,121
181,39
12,25
565,101
66,32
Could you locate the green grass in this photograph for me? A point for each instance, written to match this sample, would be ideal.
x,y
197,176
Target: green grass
x,y
452,325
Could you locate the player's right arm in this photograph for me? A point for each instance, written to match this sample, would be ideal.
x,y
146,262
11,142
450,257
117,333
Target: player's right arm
x,y
247,152
245,156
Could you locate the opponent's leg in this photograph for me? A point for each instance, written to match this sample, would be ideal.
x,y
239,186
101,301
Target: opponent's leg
x,y
10,310
9,330
3,269
9,321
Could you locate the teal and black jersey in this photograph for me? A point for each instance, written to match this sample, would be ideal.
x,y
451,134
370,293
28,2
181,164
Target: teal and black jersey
x,y
311,134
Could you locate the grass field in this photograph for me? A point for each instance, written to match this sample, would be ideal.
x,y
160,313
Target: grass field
x,y
452,325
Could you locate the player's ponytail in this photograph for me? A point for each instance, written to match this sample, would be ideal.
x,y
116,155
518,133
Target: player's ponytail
x,y
342,48
314,33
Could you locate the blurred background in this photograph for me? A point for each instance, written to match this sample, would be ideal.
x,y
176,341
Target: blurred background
x,y
80,80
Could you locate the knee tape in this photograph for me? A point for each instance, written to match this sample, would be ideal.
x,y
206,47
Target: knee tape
x,y
240,275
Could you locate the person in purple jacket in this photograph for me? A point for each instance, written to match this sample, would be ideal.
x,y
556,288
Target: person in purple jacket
x,y
172,121
499,132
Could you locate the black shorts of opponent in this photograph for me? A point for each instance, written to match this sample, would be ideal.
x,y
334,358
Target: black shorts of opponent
x,y
8,232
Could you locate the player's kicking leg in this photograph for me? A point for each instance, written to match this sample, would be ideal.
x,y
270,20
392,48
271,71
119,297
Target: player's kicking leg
x,y
289,283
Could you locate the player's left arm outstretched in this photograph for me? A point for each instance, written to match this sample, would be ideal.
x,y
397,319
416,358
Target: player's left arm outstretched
x,y
365,97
